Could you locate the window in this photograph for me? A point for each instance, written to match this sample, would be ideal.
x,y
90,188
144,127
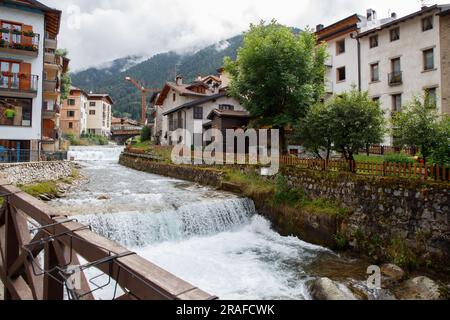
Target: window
x,y
174,97
92,104
427,23
341,76
11,80
70,114
395,34
340,47
374,72
15,112
71,102
70,125
198,113
373,41
428,59
226,107
92,112
431,97
396,103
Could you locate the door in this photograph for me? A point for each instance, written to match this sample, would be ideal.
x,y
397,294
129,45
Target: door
x,y
396,66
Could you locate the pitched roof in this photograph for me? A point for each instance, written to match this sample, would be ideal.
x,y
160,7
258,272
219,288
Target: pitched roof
x,y
425,10
183,90
52,16
196,102
100,96
228,113
339,28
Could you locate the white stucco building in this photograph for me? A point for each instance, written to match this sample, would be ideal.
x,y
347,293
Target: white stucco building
x,y
99,114
394,59
405,58
24,29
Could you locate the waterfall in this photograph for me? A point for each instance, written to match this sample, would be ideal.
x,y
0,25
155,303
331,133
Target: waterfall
x,y
107,153
138,229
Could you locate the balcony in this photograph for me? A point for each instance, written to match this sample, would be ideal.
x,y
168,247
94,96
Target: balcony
x,y
52,61
395,78
51,44
19,42
51,86
51,112
18,84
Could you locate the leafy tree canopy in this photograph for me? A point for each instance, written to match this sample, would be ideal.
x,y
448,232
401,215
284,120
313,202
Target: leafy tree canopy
x,y
419,125
346,123
278,74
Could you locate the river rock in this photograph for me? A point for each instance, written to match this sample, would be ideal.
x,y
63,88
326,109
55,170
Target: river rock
x,y
103,197
392,272
327,289
420,288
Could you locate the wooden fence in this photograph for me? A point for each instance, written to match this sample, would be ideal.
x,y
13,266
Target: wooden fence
x,y
386,169
404,170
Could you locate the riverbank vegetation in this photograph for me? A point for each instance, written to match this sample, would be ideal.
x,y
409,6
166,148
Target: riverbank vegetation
x,y
278,193
87,139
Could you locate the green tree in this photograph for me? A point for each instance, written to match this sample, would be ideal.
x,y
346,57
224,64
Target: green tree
x,y
356,121
419,125
66,83
278,74
315,131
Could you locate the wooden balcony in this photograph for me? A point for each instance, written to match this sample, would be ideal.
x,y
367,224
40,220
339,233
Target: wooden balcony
x,y
51,86
18,84
50,44
19,43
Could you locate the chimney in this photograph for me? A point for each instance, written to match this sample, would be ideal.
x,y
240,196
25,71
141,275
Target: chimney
x,y
319,27
179,80
394,15
371,15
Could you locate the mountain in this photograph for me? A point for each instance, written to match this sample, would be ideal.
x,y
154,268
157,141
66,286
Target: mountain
x,y
153,73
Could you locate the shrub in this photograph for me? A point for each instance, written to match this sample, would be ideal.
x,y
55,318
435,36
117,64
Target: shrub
x,y
398,158
145,134
286,195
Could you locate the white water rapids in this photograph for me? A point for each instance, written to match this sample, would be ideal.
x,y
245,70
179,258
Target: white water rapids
x,y
214,240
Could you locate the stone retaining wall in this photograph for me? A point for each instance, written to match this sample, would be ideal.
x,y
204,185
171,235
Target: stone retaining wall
x,y
26,173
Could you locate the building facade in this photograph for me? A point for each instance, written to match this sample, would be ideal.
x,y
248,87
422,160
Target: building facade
x,y
25,27
74,113
403,59
99,114
187,106
394,59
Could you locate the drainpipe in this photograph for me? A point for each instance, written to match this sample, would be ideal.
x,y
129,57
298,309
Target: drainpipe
x,y
353,36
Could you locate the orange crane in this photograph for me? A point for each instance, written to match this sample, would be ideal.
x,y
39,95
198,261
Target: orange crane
x,y
144,92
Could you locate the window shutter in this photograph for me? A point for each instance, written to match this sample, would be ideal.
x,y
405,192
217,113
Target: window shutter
x,y
25,76
28,41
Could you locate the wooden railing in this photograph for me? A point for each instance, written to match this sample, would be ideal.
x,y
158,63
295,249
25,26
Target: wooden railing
x,y
404,170
28,228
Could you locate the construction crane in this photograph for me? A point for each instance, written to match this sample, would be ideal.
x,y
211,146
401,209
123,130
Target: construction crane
x,y
144,92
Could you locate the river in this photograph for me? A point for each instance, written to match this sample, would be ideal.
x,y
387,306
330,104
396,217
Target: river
x,y
212,239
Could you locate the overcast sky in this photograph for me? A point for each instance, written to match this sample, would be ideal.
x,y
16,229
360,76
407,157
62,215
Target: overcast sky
x,y
97,31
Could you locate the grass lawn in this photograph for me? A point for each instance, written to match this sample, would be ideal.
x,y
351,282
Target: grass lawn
x,y
365,158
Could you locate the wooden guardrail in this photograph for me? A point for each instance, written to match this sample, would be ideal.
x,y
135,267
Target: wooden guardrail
x,y
28,228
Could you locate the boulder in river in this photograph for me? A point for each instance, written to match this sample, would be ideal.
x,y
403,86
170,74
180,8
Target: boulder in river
x,y
103,197
327,289
393,272
420,288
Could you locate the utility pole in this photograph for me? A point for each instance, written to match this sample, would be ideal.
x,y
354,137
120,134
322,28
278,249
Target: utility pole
x,y
144,92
